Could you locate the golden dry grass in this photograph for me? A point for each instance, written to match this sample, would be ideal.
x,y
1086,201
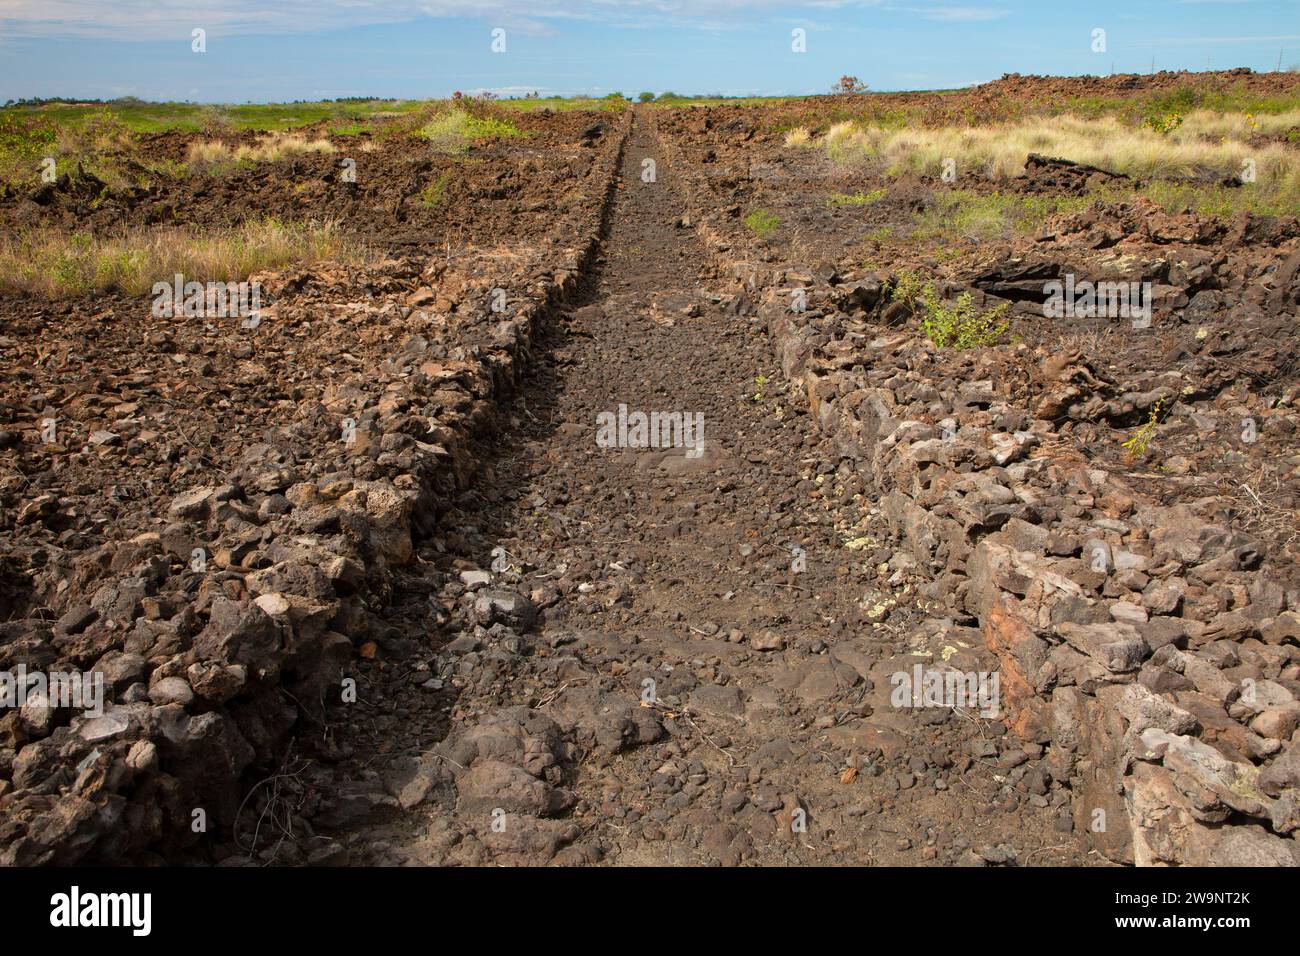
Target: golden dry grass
x,y
57,263
1205,145
277,146
1237,125
798,137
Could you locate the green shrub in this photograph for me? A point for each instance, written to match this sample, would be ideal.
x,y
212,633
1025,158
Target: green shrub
x,y
1164,123
762,222
455,130
907,288
434,194
958,324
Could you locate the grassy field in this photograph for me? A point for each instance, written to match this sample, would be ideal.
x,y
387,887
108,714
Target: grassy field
x,y
144,117
54,263
96,137
344,117
1217,144
1182,146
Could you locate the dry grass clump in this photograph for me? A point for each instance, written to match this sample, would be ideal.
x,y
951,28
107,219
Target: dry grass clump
x,y
56,263
1238,125
799,137
210,154
1205,145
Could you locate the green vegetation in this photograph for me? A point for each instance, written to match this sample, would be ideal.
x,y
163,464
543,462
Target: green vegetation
x,y
762,222
717,99
100,139
1164,123
1183,100
961,214
1211,199
141,117
957,324
879,110
908,286
1140,441
23,144
435,194
562,104
881,234
455,130
857,199
93,145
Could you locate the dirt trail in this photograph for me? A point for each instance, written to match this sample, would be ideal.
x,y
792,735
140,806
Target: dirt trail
x,y
710,681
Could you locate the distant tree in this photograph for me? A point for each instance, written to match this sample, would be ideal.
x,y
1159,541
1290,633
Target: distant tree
x,y
646,97
849,84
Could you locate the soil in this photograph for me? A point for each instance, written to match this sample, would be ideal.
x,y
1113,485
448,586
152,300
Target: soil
x,y
656,567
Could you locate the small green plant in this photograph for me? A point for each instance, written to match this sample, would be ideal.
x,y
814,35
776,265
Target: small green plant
x,y
435,194
761,381
762,222
1164,123
1140,440
856,199
907,288
959,324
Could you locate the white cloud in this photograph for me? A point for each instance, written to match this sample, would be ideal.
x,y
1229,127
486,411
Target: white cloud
x,y
159,19
174,19
953,14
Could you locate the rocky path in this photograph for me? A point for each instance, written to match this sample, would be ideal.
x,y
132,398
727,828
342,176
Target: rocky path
x,y
644,656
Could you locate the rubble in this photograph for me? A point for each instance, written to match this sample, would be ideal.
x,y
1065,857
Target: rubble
x,y
1145,638
221,571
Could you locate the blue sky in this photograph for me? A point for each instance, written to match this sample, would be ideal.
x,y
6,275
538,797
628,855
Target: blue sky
x,y
272,50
